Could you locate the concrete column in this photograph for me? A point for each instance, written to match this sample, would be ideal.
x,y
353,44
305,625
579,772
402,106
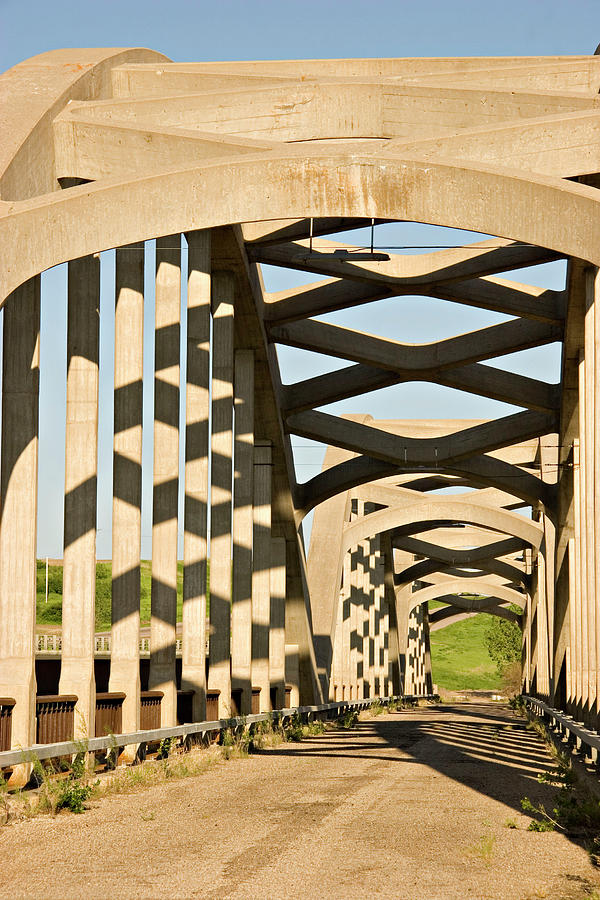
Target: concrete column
x,y
346,625
243,493
590,457
584,544
337,669
593,289
355,599
366,626
81,467
18,488
166,473
127,484
570,653
576,644
396,674
219,675
277,632
193,663
292,672
261,571
368,623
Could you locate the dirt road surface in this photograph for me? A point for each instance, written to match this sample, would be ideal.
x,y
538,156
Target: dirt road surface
x,y
418,805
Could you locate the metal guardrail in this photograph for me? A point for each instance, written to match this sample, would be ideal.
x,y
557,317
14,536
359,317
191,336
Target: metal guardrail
x,y
51,644
574,733
108,742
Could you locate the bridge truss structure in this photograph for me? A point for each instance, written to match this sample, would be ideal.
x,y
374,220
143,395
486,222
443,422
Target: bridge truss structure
x,y
233,166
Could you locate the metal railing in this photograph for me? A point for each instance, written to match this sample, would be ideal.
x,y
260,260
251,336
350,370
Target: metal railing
x,y
52,644
573,733
14,757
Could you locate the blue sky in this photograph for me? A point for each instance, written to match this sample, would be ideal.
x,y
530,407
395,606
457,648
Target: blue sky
x,y
263,29
299,29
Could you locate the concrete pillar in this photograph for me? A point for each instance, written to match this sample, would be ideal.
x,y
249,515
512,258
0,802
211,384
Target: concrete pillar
x,y
243,493
292,673
396,674
584,544
346,625
337,676
576,645
193,663
81,467
277,632
127,484
590,458
219,675
261,571
18,489
162,675
570,653
355,599
593,290
368,624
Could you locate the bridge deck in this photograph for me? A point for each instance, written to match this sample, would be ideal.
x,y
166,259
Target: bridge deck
x,y
397,808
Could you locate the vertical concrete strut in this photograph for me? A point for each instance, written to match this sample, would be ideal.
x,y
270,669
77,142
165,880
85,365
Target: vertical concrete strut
x,y
219,677
81,467
166,474
127,483
261,571
590,477
18,492
277,627
241,609
193,668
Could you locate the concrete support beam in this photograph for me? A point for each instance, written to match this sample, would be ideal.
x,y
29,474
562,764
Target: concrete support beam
x,y
219,676
193,666
243,497
166,476
127,483
277,629
261,571
18,490
81,467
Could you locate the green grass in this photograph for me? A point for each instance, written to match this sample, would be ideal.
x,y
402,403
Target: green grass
x,y
50,613
460,659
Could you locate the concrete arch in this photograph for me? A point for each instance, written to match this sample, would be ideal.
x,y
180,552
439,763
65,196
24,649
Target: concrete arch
x,y
436,509
476,586
484,471
447,615
38,234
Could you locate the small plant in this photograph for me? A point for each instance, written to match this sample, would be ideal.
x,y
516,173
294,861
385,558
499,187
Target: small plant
x,y
484,848
165,747
347,720
376,708
510,823
295,730
517,703
314,728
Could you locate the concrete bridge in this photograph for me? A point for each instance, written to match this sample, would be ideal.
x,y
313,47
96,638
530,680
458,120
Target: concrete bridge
x,y
232,166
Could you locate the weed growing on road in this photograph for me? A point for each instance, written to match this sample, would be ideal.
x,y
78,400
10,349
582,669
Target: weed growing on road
x,y
484,848
575,811
295,730
150,772
235,742
347,720
377,708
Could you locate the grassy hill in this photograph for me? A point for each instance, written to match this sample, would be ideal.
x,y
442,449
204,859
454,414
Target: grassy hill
x,y
50,613
460,659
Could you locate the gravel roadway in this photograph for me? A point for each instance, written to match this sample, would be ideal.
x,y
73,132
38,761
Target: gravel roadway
x,y
407,806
